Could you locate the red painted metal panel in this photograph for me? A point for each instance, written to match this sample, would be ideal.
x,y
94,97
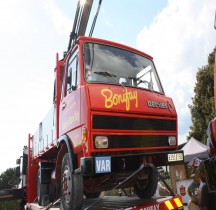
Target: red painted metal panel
x,y
129,100
31,186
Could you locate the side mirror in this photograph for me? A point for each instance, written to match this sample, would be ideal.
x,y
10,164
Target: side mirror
x,y
18,161
73,87
17,171
69,80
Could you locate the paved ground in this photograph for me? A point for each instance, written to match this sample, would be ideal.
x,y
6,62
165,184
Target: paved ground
x,y
185,207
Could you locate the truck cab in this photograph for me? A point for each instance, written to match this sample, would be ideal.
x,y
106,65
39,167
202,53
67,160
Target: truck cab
x,y
111,116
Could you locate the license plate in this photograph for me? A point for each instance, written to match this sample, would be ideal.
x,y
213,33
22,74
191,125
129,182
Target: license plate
x,y
175,157
103,165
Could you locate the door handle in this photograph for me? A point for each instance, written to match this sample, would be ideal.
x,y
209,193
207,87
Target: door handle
x,y
63,105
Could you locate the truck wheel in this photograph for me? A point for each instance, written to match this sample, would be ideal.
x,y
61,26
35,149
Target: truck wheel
x,y
146,188
71,187
92,195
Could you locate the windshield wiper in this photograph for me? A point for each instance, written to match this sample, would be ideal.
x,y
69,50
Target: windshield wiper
x,y
105,73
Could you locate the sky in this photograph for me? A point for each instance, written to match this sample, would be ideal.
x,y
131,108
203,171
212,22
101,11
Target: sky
x,y
178,34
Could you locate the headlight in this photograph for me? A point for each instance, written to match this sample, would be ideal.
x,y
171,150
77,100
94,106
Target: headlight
x,y
172,140
101,142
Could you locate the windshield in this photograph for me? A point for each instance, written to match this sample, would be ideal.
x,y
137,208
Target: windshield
x,y
107,64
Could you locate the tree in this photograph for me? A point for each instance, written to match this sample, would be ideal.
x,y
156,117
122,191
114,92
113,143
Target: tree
x,y
8,179
202,108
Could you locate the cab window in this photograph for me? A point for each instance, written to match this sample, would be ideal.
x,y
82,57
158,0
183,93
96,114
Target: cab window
x,y
72,73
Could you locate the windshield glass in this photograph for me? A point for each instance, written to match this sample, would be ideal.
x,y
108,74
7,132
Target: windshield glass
x,y
107,64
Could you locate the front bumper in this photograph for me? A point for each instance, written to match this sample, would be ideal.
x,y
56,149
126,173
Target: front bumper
x,y
101,164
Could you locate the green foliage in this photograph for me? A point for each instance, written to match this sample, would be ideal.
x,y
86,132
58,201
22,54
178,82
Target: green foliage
x,y
10,205
8,179
202,108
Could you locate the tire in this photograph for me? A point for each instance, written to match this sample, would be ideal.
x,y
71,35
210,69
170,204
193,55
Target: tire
x,y
92,195
146,188
71,187
42,190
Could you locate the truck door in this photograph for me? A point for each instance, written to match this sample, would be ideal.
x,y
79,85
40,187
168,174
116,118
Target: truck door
x,y
70,103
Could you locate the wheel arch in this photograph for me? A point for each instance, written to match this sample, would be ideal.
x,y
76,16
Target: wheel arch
x,y
64,146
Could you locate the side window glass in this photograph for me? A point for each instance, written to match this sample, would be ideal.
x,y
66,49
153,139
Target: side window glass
x,y
72,74
69,77
62,82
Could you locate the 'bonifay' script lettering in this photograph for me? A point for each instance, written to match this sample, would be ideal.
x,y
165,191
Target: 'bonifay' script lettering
x,y
115,99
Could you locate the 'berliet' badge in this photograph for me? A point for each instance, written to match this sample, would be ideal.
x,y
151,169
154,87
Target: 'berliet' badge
x,y
161,105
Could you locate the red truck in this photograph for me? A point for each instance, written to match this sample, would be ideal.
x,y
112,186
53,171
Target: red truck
x,y
110,118
110,125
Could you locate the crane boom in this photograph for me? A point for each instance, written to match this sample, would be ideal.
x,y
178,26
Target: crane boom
x,y
95,18
80,21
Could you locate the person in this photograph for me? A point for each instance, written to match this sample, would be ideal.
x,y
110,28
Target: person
x,y
90,75
193,190
161,190
207,199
